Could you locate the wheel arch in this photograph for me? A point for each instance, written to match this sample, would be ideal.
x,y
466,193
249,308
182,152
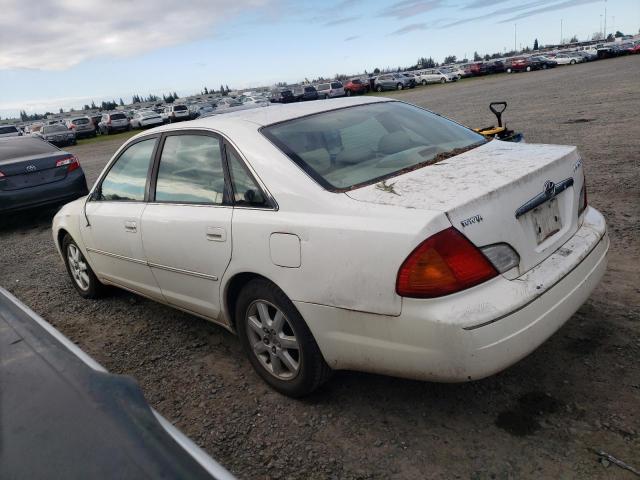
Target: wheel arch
x,y
232,289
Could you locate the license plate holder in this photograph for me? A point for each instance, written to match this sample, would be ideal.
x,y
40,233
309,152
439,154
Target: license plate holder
x,y
546,220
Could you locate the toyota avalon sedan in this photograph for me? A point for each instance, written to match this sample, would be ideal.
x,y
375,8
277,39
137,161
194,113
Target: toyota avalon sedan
x,y
364,234
35,173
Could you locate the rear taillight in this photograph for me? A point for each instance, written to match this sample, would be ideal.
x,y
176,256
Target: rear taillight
x,y
71,163
582,201
443,264
1,174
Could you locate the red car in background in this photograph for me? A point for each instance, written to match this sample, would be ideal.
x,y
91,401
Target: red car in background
x,y
355,86
518,64
478,68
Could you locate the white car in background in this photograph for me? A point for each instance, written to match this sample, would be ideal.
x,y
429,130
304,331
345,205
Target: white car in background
x,y
146,119
254,100
363,234
566,59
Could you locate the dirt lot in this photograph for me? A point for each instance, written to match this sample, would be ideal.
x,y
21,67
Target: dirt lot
x,y
539,419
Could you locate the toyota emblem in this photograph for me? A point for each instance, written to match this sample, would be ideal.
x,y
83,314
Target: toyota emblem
x,y
31,168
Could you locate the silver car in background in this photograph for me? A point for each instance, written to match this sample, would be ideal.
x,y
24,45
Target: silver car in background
x,y
112,122
83,126
58,135
330,90
391,81
9,131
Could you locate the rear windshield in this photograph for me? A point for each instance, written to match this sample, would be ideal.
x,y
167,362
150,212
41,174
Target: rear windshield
x,y
118,116
179,108
17,147
54,128
309,89
336,85
8,130
323,86
355,146
80,121
356,80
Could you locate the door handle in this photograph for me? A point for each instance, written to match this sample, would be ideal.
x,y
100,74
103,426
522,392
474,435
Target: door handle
x,y
130,226
216,234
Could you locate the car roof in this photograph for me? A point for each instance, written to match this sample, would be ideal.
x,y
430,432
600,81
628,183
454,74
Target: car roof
x,y
263,116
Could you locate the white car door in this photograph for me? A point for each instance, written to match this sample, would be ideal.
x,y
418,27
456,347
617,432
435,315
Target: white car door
x,y
112,235
186,227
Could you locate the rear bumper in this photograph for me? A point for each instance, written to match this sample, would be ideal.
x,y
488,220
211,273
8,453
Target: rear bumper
x,y
72,187
472,334
85,133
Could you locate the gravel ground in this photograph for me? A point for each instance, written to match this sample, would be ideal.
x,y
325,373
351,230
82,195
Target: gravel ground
x,y
539,419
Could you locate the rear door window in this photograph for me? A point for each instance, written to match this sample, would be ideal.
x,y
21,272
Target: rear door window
x,y
127,177
246,191
191,171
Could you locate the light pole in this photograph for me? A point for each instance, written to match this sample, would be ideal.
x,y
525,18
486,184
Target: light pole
x,y
515,36
605,19
561,42
600,24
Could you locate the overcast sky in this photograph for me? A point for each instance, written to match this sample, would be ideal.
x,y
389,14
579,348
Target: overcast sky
x,y
65,53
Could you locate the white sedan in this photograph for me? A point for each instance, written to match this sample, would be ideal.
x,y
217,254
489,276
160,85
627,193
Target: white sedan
x,y
364,234
145,119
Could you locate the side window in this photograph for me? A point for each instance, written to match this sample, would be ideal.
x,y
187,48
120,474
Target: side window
x,y
190,170
245,190
127,178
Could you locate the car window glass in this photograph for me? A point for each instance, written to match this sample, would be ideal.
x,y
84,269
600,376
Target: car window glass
x,y
355,146
127,178
245,189
190,170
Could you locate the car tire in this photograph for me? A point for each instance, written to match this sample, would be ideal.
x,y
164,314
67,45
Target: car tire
x,y
544,66
82,277
108,131
379,88
424,83
509,70
348,93
295,371
528,68
399,86
572,62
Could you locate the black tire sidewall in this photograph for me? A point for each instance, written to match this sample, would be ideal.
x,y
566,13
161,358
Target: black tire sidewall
x,y
312,371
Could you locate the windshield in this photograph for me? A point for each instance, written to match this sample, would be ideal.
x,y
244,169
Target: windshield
x,y
355,146
80,121
179,108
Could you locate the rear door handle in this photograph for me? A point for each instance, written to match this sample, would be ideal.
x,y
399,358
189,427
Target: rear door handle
x,y
216,234
130,226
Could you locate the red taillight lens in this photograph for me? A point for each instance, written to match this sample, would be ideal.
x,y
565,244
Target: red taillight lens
x,y
1,174
445,263
71,162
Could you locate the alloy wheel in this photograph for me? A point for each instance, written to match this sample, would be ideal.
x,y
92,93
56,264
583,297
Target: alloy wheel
x,y
78,267
273,340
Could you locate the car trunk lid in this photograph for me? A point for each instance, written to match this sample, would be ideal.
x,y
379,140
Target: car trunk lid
x,y
31,171
521,194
